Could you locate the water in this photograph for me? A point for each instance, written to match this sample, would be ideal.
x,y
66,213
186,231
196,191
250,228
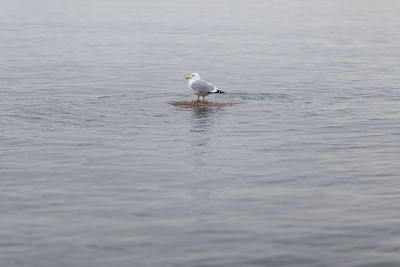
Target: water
x,y
98,169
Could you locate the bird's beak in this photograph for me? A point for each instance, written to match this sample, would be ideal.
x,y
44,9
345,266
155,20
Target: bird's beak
x,y
186,78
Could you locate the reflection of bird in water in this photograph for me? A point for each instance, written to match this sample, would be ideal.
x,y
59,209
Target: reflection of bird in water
x,y
203,118
201,87
204,115
203,112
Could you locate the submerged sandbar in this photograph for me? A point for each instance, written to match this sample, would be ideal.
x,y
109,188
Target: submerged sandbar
x,y
195,103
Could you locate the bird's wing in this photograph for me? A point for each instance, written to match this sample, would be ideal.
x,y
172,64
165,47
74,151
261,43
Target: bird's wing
x,y
202,86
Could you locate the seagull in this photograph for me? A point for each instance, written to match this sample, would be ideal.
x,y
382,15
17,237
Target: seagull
x,y
201,87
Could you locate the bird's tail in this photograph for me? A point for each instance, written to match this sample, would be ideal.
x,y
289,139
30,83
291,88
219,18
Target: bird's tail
x,y
219,92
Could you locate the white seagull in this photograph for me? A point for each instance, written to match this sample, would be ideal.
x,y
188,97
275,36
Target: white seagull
x,y
201,87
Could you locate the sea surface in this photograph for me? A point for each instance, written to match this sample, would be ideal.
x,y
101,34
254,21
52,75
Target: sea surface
x,y
298,164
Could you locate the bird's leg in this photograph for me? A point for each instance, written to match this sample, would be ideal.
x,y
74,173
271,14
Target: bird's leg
x,y
198,98
203,98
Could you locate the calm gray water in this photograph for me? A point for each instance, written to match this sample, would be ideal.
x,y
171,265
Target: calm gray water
x,y
98,169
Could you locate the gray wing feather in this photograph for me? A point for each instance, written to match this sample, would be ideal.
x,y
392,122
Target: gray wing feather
x,y
202,86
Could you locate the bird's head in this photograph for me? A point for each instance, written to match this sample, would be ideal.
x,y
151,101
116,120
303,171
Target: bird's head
x,y
193,76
